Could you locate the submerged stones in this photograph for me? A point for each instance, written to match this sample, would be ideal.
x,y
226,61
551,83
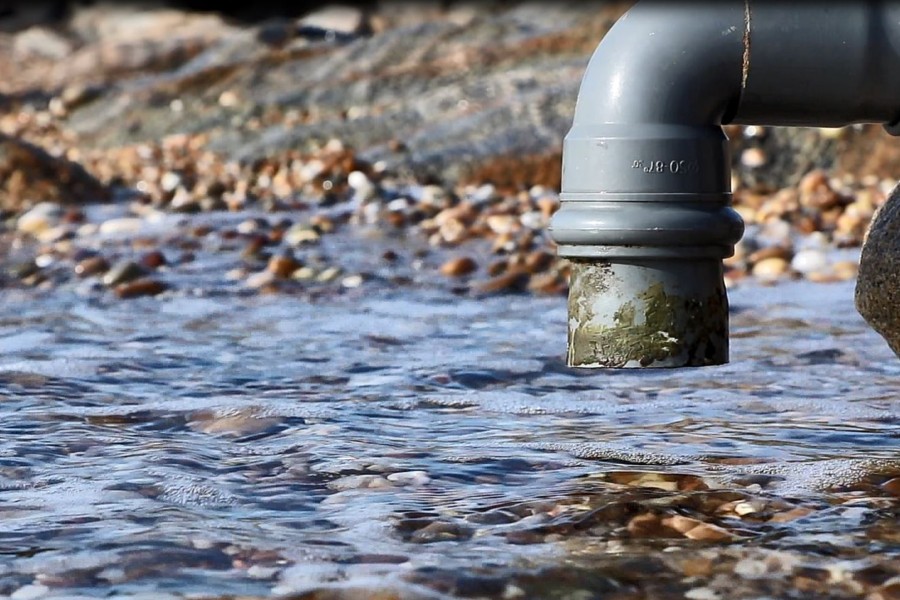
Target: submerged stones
x,y
877,295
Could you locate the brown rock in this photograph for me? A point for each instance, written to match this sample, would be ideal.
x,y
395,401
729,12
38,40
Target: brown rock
x,y
892,486
815,191
877,295
153,260
762,254
122,272
681,524
30,174
140,287
647,525
697,567
789,515
514,280
538,260
694,529
770,269
283,265
548,206
548,283
890,590
707,532
458,267
498,267
92,266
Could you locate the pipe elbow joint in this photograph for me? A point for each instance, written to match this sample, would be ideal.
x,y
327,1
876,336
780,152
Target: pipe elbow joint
x,y
647,124
646,135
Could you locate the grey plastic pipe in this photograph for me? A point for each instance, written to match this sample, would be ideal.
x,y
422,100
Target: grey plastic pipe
x,y
645,215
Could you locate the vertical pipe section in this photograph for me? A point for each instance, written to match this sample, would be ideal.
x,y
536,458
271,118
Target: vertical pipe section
x,y
646,189
645,211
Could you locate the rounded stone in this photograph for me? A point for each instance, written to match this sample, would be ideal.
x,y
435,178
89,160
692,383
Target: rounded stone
x,y
770,269
877,294
809,261
458,267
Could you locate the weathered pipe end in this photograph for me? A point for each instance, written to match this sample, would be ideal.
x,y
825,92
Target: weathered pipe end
x,y
647,313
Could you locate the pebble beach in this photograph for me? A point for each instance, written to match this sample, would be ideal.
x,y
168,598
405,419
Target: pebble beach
x,y
482,229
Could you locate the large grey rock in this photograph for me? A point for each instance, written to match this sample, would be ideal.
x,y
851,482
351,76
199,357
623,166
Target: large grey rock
x,y
878,284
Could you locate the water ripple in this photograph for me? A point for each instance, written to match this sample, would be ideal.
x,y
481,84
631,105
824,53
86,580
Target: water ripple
x,y
409,447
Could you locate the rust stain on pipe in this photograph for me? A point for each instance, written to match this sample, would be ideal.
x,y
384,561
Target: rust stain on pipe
x,y
745,59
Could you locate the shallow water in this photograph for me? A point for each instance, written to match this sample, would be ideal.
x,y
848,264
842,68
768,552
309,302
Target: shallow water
x,y
417,444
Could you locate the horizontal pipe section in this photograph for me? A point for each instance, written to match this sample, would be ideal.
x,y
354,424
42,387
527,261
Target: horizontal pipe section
x,y
826,64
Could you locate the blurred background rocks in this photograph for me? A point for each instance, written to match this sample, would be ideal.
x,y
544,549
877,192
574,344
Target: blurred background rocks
x,y
438,121
445,90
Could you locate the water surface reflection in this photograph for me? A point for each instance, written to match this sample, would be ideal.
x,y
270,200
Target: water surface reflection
x,y
408,446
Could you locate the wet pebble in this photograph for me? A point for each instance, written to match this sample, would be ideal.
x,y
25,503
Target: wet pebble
x,y
121,225
775,232
362,186
328,274
702,593
648,525
255,247
787,516
43,216
300,234
777,251
697,566
123,272
753,158
260,279
695,529
770,269
514,280
140,287
502,224
93,265
304,273
261,572
153,260
483,194
283,265
238,423
548,283
538,260
249,226
748,507
548,206
56,234
458,267
889,590
352,281
533,219
441,531
892,486
809,261
845,270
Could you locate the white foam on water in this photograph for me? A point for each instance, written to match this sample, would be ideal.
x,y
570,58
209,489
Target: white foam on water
x,y
806,477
